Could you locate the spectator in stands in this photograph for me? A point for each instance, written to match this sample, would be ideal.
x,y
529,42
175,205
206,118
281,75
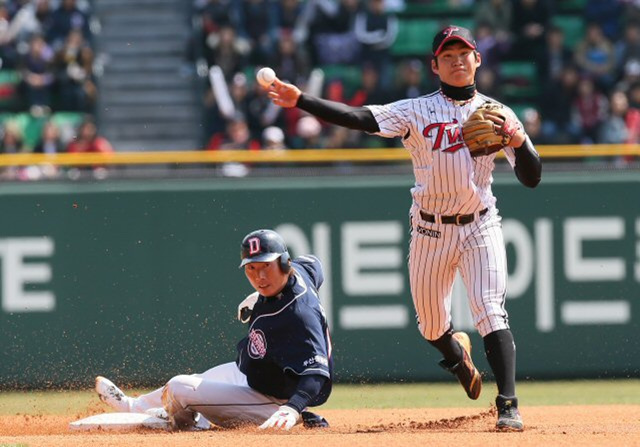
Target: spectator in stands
x,y
66,18
332,35
309,133
290,61
217,13
595,56
607,14
236,137
34,17
557,56
273,138
532,122
634,95
589,110
8,52
376,30
497,14
412,80
492,49
486,81
38,76
628,48
88,140
368,90
630,76
622,126
286,14
257,25
631,11
11,141
49,141
531,19
74,74
228,51
556,107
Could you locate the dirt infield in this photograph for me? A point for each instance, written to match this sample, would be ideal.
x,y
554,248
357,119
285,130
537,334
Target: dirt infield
x,y
565,425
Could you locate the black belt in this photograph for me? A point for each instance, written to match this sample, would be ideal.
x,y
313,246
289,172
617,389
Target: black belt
x,y
457,219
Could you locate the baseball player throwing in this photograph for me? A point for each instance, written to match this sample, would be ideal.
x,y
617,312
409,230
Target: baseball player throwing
x,y
283,366
455,223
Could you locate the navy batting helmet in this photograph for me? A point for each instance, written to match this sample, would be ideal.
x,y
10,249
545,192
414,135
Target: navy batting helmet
x,y
264,246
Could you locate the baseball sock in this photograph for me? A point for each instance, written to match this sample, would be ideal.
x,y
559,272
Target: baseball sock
x,y
450,349
501,354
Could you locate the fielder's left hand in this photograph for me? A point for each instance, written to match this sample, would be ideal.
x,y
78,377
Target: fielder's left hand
x,y
285,418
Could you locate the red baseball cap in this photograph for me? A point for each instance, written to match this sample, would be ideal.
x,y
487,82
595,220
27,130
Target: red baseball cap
x,y
450,33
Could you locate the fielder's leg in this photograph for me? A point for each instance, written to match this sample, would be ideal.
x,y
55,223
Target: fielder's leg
x,y
433,256
484,271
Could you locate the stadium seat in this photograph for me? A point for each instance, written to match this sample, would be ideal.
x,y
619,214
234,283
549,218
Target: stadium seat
x,y
350,75
435,8
31,128
414,37
518,79
573,27
564,6
520,108
9,84
68,123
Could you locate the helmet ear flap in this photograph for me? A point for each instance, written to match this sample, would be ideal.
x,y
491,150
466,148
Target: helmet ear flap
x,y
284,262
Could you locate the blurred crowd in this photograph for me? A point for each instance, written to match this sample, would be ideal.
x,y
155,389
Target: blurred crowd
x,y
587,87
586,92
48,43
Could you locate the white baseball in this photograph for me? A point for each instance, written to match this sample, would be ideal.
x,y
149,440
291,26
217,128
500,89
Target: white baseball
x,y
265,76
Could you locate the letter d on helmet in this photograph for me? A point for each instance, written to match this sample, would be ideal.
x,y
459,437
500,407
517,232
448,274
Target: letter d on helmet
x,y
264,246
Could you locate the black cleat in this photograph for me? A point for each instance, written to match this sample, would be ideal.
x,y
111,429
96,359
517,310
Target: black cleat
x,y
509,418
312,420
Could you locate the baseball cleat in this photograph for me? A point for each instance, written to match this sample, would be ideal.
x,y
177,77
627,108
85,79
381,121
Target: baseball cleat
x,y
111,395
313,420
509,418
466,372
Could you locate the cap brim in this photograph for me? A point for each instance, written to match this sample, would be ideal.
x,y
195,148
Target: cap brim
x,y
265,257
449,39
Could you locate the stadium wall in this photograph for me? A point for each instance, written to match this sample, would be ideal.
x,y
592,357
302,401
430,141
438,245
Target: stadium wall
x,y
139,280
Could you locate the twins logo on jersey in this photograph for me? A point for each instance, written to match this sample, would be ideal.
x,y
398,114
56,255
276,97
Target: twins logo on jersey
x,y
448,136
257,344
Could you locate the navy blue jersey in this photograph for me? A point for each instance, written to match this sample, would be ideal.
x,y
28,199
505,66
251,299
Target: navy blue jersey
x,y
289,337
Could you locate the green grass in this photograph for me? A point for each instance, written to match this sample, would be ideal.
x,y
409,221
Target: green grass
x,y
414,395
582,392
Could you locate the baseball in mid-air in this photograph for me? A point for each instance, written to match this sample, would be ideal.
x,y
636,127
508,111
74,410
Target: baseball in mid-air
x,y
265,76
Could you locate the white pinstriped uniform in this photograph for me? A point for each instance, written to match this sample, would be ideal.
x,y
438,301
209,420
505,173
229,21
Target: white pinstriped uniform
x,y
448,182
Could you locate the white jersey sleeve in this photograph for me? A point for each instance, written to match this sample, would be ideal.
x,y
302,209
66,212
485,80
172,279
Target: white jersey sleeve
x,y
392,119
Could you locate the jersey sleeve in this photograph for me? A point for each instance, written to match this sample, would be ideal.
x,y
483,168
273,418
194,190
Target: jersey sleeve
x,y
392,118
313,267
309,354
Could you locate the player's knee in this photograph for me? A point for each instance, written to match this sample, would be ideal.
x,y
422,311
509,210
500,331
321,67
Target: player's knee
x,y
429,334
183,382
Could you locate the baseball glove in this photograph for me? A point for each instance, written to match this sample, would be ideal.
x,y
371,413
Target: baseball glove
x,y
489,128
